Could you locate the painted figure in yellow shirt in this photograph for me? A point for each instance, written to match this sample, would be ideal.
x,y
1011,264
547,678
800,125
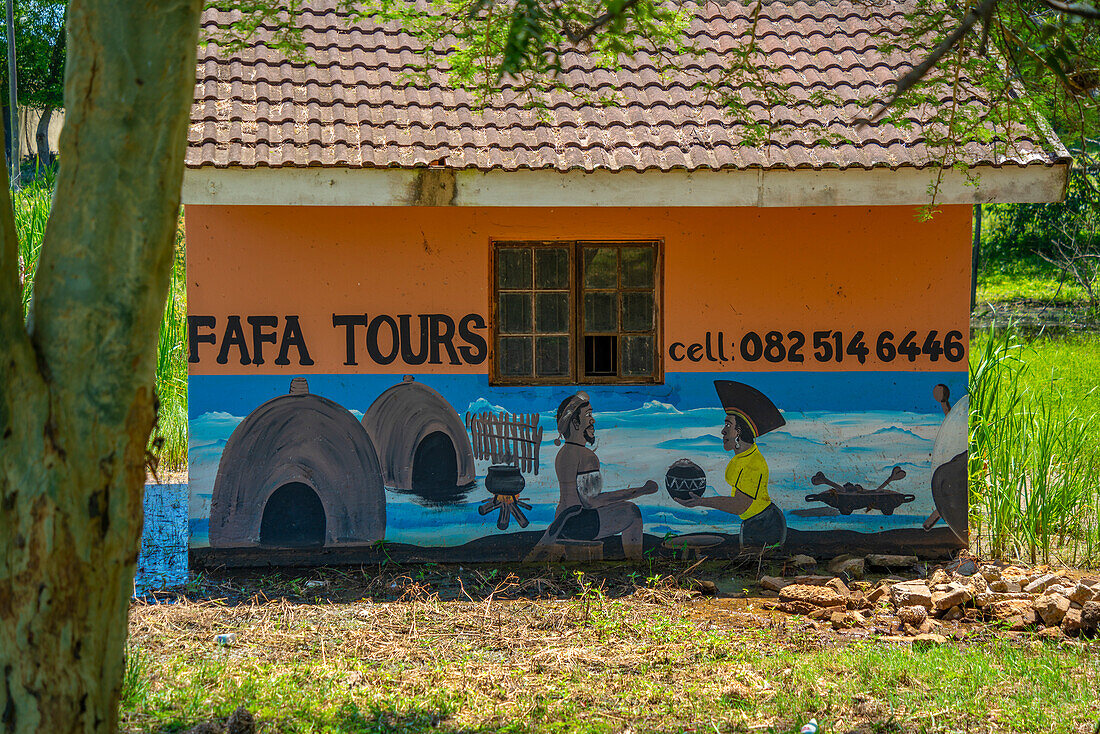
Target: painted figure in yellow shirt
x,y
762,523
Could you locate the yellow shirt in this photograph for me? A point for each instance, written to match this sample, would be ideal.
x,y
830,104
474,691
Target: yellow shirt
x,y
748,472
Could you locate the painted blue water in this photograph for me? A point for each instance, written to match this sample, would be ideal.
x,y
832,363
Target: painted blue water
x,y
163,558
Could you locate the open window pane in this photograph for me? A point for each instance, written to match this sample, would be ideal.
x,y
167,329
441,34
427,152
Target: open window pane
x,y
637,355
601,356
551,313
637,311
600,267
552,356
601,312
514,313
551,268
514,267
638,267
514,356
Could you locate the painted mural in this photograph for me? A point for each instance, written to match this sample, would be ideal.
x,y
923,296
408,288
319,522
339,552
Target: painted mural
x,y
437,467
369,384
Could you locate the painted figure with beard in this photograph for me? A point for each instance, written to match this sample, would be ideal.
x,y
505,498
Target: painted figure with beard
x,y
585,511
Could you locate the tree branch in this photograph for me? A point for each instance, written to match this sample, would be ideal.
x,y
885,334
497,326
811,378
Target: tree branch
x,y
905,83
1081,10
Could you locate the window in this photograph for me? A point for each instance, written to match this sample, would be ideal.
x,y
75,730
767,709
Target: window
x,y
575,312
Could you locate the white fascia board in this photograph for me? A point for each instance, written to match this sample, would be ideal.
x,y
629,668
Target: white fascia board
x,y
405,187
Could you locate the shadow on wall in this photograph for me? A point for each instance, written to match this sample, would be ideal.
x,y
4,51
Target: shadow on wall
x,y
299,471
421,442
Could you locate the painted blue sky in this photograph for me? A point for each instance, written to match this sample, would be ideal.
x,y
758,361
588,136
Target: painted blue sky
x,y
909,392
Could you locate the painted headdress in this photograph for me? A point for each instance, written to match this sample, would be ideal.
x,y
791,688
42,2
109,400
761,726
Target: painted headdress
x,y
750,405
568,410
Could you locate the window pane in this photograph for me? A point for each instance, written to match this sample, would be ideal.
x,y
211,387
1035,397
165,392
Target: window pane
x,y
514,356
600,312
551,312
551,267
600,267
638,267
514,313
552,356
637,355
600,356
637,311
514,267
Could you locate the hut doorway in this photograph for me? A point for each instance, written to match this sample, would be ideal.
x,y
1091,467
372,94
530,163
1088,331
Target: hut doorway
x,y
293,518
435,467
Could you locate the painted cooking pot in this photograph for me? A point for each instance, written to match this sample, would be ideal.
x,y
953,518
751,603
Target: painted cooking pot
x,y
504,479
685,479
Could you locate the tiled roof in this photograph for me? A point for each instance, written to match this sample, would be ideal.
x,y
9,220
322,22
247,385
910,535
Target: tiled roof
x,y
362,105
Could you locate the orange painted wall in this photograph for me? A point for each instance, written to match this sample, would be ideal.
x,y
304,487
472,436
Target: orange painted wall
x,y
728,270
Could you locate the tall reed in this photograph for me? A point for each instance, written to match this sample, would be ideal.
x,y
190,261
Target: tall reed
x,y
32,211
1034,469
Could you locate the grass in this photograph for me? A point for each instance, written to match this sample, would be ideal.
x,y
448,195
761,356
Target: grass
x,y
1034,448
1031,280
646,659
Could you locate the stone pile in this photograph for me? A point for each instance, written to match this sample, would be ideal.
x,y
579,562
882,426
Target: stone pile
x,y
1012,597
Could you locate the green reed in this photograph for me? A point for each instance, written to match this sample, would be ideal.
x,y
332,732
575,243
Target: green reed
x,y
32,210
1034,469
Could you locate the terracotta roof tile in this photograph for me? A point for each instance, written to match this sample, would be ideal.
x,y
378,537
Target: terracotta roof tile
x,y
363,103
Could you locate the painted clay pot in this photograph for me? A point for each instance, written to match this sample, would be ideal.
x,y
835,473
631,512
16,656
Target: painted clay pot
x,y
504,479
685,479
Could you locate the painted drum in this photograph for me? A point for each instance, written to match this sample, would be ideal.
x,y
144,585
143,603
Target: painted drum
x,y
685,479
504,479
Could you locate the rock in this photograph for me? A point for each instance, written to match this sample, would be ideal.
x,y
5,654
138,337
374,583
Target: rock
x,y
773,583
1013,587
853,568
953,596
1004,611
952,614
885,560
1090,617
963,567
819,596
939,576
1040,583
910,593
878,593
976,583
982,599
1051,608
839,587
1051,633
826,612
990,572
802,561
914,615
928,639
1094,583
1071,623
206,727
796,607
812,580
706,588
240,722
998,586
1083,593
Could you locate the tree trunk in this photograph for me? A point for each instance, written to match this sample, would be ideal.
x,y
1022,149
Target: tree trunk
x,y
42,136
76,387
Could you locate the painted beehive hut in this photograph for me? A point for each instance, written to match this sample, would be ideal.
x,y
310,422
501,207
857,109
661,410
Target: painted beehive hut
x,y
421,441
299,471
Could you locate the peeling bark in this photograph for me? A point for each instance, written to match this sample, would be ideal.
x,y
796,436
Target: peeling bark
x,y
76,392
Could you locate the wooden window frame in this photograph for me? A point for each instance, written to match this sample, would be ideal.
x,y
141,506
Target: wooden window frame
x,y
576,313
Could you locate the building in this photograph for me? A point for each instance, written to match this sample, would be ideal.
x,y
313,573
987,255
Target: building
x,y
748,345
